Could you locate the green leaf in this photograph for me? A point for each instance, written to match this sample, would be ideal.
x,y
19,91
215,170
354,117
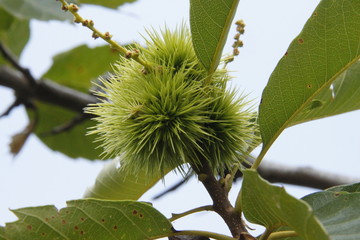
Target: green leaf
x,y
272,207
14,33
210,23
107,3
35,9
318,76
75,68
89,219
2,233
115,184
351,188
74,142
338,209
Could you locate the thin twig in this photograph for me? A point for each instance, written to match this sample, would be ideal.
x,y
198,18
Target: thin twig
x,y
195,210
67,126
12,59
282,235
188,237
197,233
174,187
16,103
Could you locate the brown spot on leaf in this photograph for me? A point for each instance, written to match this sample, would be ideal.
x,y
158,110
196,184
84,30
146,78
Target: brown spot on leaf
x,y
82,232
115,227
29,227
134,212
76,228
82,219
63,221
43,234
315,14
300,41
47,219
286,54
141,215
102,220
309,85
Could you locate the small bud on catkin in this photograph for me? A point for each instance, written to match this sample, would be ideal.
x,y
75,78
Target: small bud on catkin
x,y
85,22
64,8
107,35
73,7
95,35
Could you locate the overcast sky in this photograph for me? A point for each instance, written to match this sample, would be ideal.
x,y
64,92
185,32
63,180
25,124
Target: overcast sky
x,y
38,176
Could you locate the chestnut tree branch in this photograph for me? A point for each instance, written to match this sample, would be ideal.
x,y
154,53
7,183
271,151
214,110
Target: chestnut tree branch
x,y
275,172
221,203
12,59
45,90
302,176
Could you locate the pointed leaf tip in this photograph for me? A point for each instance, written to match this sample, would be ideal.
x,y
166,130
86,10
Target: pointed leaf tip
x,y
210,23
318,76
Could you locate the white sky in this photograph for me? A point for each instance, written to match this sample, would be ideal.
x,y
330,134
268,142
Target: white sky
x,y
38,176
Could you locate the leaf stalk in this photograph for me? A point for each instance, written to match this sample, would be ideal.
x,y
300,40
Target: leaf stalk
x,y
281,235
213,235
195,210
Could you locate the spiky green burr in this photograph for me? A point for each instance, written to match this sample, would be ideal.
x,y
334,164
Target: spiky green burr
x,y
166,117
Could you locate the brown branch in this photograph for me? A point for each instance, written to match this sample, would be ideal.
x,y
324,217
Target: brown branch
x,y
221,203
302,176
44,90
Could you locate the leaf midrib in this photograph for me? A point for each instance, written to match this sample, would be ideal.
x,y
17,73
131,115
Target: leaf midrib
x,y
287,123
223,37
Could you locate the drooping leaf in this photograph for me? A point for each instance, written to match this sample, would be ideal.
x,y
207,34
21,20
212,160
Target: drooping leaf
x,y
89,219
35,9
115,184
14,33
272,207
210,23
107,3
319,74
75,68
338,209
